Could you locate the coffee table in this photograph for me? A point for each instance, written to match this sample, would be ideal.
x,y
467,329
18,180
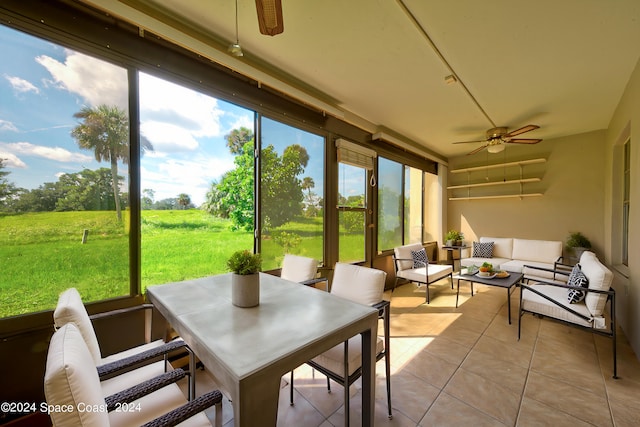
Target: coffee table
x,y
508,283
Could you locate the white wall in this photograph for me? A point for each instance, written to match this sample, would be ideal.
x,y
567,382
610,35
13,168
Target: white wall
x,y
625,120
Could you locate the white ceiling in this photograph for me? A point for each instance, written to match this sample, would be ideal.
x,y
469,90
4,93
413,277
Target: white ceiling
x,y
562,65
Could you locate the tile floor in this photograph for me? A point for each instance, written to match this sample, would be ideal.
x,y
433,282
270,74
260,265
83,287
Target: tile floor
x,y
465,366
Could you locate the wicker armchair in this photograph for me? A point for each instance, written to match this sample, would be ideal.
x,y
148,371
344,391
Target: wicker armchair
x,y
71,381
70,309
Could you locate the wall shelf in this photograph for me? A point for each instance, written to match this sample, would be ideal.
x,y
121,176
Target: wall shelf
x,y
499,165
483,184
492,183
501,196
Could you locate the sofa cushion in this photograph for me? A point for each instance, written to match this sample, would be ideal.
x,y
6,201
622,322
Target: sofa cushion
x,y
547,251
600,278
577,278
482,250
537,304
502,246
404,253
419,258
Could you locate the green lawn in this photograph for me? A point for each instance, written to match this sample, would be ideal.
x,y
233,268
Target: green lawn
x,y
41,254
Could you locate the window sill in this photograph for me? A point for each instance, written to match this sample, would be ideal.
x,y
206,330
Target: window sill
x,y
622,270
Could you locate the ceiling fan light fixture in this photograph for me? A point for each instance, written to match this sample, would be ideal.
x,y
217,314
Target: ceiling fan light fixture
x,y
270,17
496,148
234,48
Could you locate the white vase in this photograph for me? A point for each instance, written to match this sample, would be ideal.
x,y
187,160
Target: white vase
x,y
245,290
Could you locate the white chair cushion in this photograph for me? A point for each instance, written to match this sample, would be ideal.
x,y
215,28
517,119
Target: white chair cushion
x,y
359,284
298,268
436,272
404,252
502,246
600,278
546,251
71,309
537,304
333,359
71,379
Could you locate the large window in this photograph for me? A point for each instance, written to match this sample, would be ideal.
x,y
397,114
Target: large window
x,y
64,153
352,212
390,204
400,204
197,182
291,193
625,202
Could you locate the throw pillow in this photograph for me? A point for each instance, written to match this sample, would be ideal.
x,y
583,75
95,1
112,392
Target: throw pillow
x,y
419,258
577,278
482,250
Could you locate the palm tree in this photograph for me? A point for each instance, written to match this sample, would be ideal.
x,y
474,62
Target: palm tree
x,y
184,200
105,130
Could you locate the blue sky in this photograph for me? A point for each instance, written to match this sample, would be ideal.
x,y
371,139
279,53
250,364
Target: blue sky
x,y
44,84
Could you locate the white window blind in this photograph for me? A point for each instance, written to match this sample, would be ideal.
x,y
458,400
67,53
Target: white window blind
x,y
355,155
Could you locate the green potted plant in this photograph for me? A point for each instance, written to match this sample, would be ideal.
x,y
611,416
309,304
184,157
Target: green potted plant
x,y
454,238
245,280
577,243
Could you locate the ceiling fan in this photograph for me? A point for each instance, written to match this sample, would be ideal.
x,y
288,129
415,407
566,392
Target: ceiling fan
x,y
497,137
270,17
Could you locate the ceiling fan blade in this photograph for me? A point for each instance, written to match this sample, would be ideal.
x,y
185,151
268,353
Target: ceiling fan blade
x,y
477,149
270,17
524,129
522,141
469,142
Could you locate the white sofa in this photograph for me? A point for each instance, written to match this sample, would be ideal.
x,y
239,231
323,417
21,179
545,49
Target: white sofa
x,y
514,254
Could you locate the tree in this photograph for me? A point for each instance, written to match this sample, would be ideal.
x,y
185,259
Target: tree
x,y
148,195
7,189
105,130
184,200
237,138
281,189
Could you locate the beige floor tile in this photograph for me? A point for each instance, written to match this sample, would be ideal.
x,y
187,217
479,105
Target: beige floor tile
x,y
449,411
589,407
434,370
536,414
507,374
447,350
578,372
626,414
411,395
515,352
487,396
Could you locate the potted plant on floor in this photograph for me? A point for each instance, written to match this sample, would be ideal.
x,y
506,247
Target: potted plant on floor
x,y
577,243
245,280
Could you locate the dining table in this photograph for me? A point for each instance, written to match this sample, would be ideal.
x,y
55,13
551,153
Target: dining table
x,y
248,350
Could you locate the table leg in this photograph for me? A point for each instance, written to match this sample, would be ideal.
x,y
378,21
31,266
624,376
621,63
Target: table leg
x,y
458,292
257,402
368,376
509,304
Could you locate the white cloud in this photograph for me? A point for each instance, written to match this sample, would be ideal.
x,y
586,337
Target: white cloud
x,y
174,117
21,85
7,126
97,82
167,137
173,177
53,153
11,160
242,121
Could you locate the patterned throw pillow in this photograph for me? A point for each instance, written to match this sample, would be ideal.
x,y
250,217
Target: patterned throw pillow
x,y
577,278
482,250
421,257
